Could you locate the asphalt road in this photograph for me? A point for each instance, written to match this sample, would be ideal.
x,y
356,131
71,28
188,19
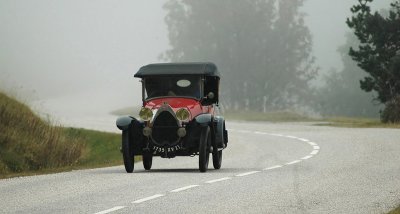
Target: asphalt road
x,y
267,168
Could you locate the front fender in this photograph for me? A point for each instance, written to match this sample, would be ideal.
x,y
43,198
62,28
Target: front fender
x,y
203,119
220,130
126,122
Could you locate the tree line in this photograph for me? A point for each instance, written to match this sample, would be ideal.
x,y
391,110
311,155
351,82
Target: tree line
x,y
263,49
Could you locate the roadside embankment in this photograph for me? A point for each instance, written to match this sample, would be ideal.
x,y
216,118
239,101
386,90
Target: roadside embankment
x,y
30,145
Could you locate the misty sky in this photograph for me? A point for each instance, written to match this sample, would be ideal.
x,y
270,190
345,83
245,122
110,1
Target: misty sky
x,y
326,21
79,55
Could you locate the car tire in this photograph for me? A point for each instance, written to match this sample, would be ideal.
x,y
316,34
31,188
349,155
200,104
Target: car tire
x,y
127,152
217,158
217,155
204,154
147,160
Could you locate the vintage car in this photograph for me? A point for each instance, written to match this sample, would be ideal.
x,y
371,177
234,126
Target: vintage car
x,y
180,116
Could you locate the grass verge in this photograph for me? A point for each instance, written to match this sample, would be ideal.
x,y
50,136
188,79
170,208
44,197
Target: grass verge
x,y
29,145
101,149
278,116
395,211
357,123
287,116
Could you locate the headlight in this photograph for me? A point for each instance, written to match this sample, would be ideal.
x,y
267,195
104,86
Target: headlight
x,y
182,114
145,114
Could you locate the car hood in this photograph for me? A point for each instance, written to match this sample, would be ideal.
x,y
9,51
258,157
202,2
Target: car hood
x,y
192,105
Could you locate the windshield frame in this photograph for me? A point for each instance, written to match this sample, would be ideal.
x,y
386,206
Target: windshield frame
x,y
201,88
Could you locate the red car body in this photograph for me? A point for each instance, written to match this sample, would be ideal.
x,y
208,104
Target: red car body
x,y
194,106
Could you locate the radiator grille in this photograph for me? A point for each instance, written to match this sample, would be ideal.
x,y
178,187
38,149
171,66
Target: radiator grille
x,y
164,129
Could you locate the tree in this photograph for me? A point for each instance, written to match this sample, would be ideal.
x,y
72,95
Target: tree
x,y
262,48
378,54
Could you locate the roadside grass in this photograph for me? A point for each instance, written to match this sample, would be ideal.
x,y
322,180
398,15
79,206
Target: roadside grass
x,y
29,145
277,116
351,122
395,211
288,116
101,148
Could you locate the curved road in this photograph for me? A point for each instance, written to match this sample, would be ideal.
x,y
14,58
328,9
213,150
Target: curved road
x,y
267,168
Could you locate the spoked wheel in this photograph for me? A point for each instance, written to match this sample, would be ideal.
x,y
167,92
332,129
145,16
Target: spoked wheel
x,y
127,152
147,160
204,154
217,158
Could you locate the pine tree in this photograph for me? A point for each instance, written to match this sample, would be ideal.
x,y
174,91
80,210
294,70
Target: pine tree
x,y
378,54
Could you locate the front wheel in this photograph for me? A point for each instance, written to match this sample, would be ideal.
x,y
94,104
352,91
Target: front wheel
x,y
217,158
127,152
204,154
147,160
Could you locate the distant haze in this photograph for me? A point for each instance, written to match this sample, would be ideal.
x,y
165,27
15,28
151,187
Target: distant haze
x,y
78,57
78,53
326,20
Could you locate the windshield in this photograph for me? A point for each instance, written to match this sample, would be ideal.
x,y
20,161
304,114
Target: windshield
x,y
182,86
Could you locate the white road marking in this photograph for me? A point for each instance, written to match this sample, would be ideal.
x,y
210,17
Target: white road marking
x,y
315,151
147,199
293,162
273,167
306,157
312,143
303,139
259,132
111,210
247,173
293,137
278,135
184,188
218,180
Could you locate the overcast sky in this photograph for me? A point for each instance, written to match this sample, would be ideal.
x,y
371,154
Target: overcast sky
x,y
80,55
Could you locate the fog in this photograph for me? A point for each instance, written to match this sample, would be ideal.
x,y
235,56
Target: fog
x,y
73,58
326,21
70,57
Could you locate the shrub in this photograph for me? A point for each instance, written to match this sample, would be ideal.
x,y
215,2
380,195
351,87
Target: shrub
x,y
391,113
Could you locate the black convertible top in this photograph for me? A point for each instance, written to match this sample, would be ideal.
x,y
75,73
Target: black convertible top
x,y
167,69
